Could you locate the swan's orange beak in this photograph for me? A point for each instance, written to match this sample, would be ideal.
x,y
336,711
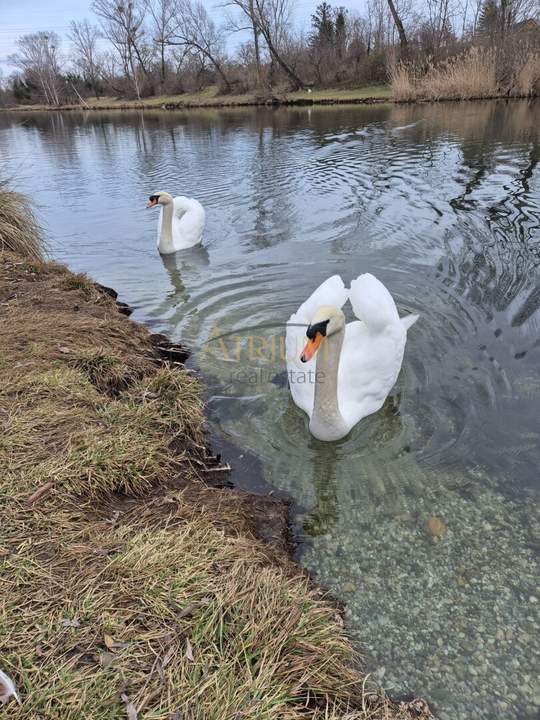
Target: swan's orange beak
x,y
311,347
151,203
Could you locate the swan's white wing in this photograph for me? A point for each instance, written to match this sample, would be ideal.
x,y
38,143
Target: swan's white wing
x,y
372,350
368,368
301,375
189,219
372,303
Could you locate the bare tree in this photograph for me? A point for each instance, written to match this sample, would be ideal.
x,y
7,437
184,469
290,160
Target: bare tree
x,y
38,59
86,57
238,26
271,19
196,30
122,24
164,21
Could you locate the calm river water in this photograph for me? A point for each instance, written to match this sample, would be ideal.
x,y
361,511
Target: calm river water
x,y
442,203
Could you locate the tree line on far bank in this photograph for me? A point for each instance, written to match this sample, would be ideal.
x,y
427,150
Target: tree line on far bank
x,y
134,49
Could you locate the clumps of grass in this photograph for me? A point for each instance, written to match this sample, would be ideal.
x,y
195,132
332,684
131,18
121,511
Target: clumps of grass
x,y
62,428
108,373
83,284
182,620
19,229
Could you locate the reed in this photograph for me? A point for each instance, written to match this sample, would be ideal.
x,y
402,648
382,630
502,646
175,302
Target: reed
x,y
470,75
528,78
19,230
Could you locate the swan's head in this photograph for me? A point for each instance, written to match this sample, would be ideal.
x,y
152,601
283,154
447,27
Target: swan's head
x,y
327,320
159,198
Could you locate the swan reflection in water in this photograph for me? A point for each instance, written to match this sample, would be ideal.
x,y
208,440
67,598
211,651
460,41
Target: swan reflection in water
x,y
181,267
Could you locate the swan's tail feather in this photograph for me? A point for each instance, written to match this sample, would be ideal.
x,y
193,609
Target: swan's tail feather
x,y
409,320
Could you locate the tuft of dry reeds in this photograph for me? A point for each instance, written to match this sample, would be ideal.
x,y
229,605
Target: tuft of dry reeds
x,y
130,586
528,77
404,87
470,75
19,229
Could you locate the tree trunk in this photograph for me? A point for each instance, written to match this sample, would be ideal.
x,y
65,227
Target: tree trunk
x,y
220,73
162,63
399,25
255,42
298,84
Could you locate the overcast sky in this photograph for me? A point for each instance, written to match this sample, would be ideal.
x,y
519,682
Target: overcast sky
x,y
19,17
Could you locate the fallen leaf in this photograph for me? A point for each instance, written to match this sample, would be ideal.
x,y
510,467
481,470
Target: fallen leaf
x,y
189,650
63,349
131,710
109,641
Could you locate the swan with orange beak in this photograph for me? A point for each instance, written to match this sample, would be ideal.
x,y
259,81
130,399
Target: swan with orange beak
x,y
181,221
356,364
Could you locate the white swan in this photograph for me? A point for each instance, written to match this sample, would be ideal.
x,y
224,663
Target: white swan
x,y
356,364
181,221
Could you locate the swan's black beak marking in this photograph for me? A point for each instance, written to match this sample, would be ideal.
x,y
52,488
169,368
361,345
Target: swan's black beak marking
x,y
317,327
152,200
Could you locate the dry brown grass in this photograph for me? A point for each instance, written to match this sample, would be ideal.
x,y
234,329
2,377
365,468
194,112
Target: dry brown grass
x,y
19,229
403,85
528,78
132,588
471,75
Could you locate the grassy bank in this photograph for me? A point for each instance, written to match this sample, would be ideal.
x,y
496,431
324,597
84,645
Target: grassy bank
x,y
134,584
409,84
210,97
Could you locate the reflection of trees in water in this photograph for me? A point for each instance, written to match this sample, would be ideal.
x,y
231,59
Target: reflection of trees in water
x,y
497,257
273,219
56,134
516,213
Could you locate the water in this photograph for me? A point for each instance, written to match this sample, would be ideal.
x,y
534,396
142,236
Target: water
x,y
442,203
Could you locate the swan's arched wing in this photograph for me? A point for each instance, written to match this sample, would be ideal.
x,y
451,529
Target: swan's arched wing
x,y
301,376
372,303
189,219
372,350
368,368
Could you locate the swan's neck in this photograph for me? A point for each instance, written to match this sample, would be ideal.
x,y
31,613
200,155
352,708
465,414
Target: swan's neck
x,y
327,423
166,237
